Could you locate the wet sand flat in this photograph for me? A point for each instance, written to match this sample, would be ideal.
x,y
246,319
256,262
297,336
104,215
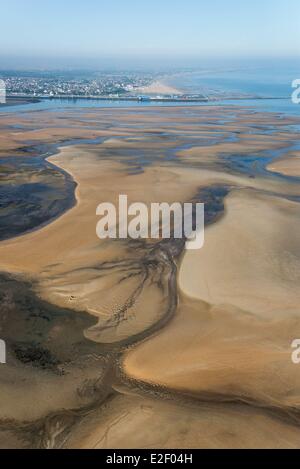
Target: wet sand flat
x,y
135,422
157,337
238,311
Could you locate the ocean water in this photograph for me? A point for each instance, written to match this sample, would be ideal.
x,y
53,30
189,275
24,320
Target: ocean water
x,y
267,86
260,82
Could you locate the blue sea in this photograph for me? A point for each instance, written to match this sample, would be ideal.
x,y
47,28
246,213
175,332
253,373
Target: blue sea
x,y
267,86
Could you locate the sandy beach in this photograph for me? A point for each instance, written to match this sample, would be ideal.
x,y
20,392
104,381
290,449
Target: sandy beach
x,y
159,88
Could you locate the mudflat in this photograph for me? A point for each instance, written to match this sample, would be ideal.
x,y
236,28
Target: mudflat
x,y
109,339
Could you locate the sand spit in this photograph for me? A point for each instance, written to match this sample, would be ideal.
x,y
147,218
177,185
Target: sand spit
x,y
159,88
289,165
251,258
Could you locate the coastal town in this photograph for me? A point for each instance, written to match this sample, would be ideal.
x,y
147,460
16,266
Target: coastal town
x,y
54,84
141,86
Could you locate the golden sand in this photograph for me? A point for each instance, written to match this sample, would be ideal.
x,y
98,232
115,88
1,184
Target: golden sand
x,y
158,87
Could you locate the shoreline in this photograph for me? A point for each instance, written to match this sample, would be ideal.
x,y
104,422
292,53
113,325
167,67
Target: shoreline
x,y
17,101
183,99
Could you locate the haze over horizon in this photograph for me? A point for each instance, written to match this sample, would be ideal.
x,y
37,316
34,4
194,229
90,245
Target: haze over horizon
x,y
95,34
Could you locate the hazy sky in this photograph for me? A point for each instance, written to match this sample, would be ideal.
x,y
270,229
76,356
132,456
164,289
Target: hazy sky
x,y
92,29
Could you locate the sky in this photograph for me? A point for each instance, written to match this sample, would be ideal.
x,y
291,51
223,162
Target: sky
x,y
87,31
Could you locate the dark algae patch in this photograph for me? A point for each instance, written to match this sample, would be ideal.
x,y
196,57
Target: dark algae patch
x,y
27,324
32,192
35,355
